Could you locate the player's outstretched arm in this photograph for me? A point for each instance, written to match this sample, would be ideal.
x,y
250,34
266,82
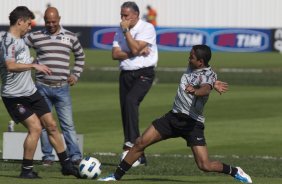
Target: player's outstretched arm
x,y
220,86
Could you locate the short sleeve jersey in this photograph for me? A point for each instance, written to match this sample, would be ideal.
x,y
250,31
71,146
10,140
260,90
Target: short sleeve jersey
x,y
142,31
15,84
190,104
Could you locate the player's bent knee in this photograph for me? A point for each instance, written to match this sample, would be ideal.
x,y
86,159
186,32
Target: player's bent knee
x,y
204,167
140,144
35,130
52,129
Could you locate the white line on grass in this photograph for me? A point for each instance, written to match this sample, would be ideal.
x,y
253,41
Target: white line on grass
x,y
264,157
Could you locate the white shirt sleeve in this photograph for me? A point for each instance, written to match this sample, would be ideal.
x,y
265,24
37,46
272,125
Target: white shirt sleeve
x,y
148,34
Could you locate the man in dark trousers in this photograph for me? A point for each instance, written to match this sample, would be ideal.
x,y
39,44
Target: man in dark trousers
x,y
136,50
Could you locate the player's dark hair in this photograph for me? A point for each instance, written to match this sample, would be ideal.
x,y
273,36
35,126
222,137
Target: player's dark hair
x,y
132,5
203,52
20,12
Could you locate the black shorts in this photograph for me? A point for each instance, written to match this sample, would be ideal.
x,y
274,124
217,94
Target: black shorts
x,y
173,125
21,108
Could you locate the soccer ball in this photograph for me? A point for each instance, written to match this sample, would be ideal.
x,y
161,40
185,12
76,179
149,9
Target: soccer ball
x,y
135,164
89,168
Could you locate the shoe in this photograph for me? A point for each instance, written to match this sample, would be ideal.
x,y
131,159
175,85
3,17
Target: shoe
x,y
242,176
29,175
47,163
76,162
127,146
111,177
69,169
143,160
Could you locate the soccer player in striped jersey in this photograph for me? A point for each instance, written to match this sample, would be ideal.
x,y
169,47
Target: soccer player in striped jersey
x,y
185,120
21,98
53,46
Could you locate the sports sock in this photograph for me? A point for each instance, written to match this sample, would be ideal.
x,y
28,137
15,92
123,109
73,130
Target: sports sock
x,y
122,168
27,165
63,157
228,169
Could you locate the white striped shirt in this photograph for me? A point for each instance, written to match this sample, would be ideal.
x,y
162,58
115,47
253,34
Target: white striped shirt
x,y
190,104
54,51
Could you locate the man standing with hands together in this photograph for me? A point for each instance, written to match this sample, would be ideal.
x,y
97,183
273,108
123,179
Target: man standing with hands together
x,y
136,50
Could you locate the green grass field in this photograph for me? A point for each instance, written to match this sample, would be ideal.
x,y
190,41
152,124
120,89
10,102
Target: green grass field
x,y
243,126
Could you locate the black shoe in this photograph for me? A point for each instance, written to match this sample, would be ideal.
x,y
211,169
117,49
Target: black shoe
x,y
29,175
76,162
143,160
69,169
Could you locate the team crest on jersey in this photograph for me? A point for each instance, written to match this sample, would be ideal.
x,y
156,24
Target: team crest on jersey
x,y
65,40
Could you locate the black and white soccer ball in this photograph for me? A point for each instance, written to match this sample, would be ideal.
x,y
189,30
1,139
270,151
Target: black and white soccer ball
x,y
90,168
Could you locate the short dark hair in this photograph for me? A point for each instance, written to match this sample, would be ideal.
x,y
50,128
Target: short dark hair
x,y
132,5
20,12
203,52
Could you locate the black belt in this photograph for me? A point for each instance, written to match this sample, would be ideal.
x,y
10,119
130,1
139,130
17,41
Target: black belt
x,y
140,70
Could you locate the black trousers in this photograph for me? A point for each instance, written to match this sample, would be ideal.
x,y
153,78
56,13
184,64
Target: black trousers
x,y
133,86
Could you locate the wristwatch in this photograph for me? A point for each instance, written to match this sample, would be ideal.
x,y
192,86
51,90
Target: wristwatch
x,y
125,30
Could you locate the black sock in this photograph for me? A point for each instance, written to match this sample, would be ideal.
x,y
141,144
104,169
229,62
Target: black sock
x,y
227,169
121,169
63,157
27,165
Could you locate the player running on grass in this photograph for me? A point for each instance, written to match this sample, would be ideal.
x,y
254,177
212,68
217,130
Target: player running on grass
x,y
185,120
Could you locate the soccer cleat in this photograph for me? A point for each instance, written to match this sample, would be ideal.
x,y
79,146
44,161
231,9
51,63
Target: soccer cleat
x,y
111,177
242,176
69,169
143,160
29,175
76,162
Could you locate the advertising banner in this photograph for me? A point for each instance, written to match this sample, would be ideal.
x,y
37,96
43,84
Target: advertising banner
x,y
182,39
277,40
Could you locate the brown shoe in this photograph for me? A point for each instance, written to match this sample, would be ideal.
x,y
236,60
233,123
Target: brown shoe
x,y
47,163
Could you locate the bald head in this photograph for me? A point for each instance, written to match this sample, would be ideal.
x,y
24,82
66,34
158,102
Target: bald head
x,y
51,11
52,20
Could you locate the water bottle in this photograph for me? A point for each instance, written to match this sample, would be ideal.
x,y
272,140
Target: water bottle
x,y
11,126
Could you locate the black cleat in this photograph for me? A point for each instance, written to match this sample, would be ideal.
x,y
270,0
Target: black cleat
x,y
29,175
143,160
69,169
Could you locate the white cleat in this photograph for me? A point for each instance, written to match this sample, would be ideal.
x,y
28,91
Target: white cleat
x,y
111,177
242,176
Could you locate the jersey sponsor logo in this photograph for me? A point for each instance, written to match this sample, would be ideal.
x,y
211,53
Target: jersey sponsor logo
x,y
239,40
103,38
22,56
180,39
